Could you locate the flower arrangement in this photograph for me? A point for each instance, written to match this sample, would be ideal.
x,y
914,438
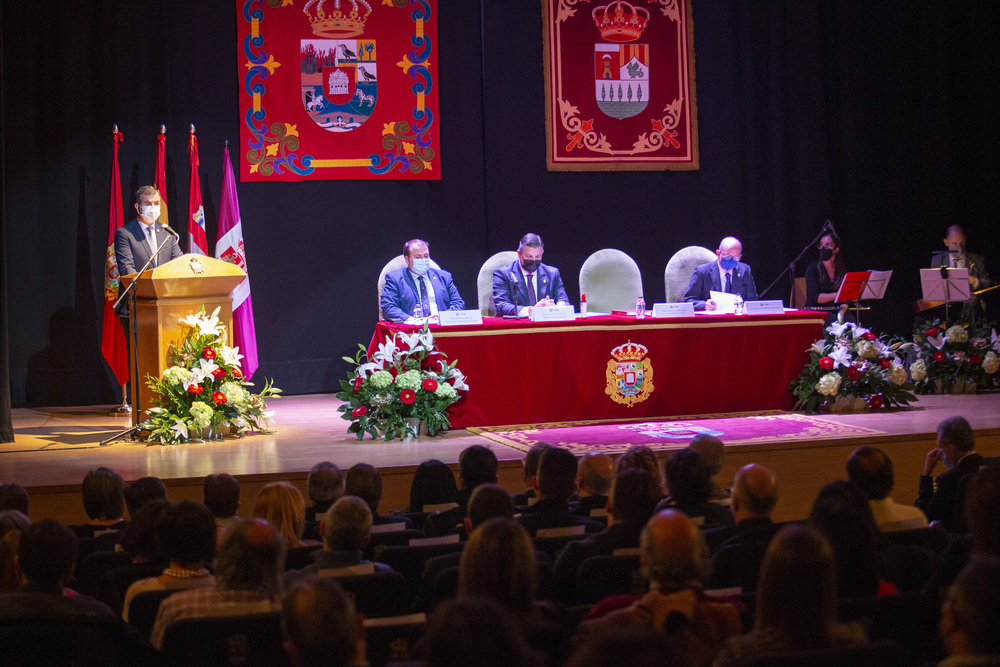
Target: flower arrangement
x,y
397,383
951,354
204,390
852,362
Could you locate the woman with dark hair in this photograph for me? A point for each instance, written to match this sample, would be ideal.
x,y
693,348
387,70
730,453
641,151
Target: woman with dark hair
x,y
689,483
796,601
433,484
641,456
824,275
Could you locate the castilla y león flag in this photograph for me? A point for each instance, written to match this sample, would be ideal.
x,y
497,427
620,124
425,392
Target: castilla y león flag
x,y
197,241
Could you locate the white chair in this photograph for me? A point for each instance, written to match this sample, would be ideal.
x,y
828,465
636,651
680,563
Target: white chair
x,y
680,268
485,280
396,262
611,280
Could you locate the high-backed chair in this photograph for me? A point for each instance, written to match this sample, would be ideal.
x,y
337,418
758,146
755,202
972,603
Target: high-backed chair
x,y
611,280
797,299
396,262
251,639
680,268
485,280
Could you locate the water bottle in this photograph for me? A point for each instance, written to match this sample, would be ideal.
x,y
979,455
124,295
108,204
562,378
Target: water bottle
x,y
583,305
738,309
640,308
418,311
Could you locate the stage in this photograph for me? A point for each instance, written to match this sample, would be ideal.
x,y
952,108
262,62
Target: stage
x,y
55,447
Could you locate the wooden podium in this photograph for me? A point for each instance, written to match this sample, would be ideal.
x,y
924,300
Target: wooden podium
x,y
164,296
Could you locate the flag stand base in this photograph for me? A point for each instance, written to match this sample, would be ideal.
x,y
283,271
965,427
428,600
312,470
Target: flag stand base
x,y
133,432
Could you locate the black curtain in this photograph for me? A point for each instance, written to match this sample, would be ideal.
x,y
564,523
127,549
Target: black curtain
x,y
878,116
6,422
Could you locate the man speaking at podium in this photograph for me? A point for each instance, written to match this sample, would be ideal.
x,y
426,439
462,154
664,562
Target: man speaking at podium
x,y
418,284
138,239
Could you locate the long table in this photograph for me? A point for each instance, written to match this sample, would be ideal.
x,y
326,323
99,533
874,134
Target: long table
x,y
522,372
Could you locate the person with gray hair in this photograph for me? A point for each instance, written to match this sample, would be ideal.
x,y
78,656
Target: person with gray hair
x,y
674,559
526,282
938,496
326,486
594,476
713,452
346,530
247,579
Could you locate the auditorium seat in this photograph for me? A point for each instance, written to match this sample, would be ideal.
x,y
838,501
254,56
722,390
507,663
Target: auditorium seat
x,y
298,557
393,639
876,654
933,539
251,640
911,619
602,576
379,542
396,262
378,594
680,268
611,280
95,565
142,610
409,561
58,640
484,283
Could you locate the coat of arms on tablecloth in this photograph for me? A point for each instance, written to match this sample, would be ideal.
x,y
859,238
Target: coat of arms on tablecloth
x,y
630,374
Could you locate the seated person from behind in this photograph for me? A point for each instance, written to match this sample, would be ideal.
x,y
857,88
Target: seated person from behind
x,y
689,484
726,274
554,484
870,470
527,282
595,474
365,482
418,284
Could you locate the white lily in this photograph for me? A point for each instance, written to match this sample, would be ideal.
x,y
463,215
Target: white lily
x,y
936,341
364,370
387,350
817,348
860,331
841,356
230,355
180,429
459,378
838,328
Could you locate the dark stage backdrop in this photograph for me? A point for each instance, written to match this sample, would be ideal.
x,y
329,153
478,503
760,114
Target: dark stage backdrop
x,y
880,116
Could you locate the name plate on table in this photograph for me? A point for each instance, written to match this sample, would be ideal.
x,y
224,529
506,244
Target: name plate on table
x,y
683,309
552,314
447,318
766,307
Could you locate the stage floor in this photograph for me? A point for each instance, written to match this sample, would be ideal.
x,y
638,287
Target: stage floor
x,y
55,447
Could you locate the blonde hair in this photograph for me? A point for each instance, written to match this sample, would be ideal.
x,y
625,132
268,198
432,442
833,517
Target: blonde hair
x,y
282,506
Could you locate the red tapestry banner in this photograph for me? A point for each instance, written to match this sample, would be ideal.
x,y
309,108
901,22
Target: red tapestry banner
x,y
619,85
338,89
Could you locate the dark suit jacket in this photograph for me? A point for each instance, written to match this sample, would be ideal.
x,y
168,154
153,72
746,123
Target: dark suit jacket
x,y
738,558
940,504
975,263
554,514
706,278
584,506
510,287
400,294
615,536
132,249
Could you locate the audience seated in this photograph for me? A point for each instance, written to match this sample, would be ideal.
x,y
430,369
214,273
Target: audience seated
x,y
971,615
594,476
325,486
938,496
796,601
675,561
365,482
433,484
739,549
476,465
320,625
870,470
14,497
475,630
282,506
103,494
141,540
713,452
633,499
635,647
12,524
221,494
640,456
346,530
142,491
689,485
554,484
248,579
529,468
188,536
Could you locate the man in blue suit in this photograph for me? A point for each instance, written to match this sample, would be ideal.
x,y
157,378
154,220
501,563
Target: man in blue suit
x,y
527,282
136,240
725,274
418,283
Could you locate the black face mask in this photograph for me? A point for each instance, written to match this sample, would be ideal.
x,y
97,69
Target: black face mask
x,y
530,265
825,253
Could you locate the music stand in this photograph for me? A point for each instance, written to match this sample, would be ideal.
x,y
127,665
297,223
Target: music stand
x,y
862,285
946,284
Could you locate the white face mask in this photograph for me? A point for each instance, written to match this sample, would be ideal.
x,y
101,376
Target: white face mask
x,y
421,265
150,212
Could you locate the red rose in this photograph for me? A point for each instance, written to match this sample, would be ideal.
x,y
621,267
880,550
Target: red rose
x,y
868,335
826,363
430,384
876,401
931,332
219,373
853,373
884,363
359,411
195,389
358,381
218,398
208,352
408,396
237,373
939,356
975,358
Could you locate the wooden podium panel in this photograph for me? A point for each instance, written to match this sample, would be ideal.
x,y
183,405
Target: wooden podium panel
x,y
164,296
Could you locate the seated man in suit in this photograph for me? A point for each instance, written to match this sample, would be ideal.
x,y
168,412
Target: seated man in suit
x,y
418,284
726,274
938,497
527,282
957,257
554,484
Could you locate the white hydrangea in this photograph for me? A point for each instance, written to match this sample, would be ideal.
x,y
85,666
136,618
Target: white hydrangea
x,y
897,374
409,380
918,370
176,375
991,362
236,395
202,414
956,334
829,384
866,350
445,391
381,379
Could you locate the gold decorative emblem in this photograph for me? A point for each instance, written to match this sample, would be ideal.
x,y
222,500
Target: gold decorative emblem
x,y
630,374
196,265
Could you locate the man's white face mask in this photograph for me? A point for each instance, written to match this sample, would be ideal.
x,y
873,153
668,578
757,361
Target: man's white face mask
x,y
149,212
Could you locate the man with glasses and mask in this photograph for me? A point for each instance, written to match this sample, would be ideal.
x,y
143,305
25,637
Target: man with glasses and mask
x,y
726,274
525,283
418,291
956,257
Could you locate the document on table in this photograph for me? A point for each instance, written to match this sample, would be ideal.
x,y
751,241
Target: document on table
x,y
725,303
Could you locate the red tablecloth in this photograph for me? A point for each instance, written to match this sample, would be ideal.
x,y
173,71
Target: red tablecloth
x,y
523,372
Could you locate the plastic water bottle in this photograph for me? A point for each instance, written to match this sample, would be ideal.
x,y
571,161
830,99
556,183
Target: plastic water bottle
x,y
640,308
583,305
418,311
738,309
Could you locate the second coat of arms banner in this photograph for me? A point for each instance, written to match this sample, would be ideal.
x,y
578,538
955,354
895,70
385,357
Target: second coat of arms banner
x,y
619,85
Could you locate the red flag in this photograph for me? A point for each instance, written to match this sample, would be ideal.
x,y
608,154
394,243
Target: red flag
x,y
197,240
112,336
229,248
160,175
